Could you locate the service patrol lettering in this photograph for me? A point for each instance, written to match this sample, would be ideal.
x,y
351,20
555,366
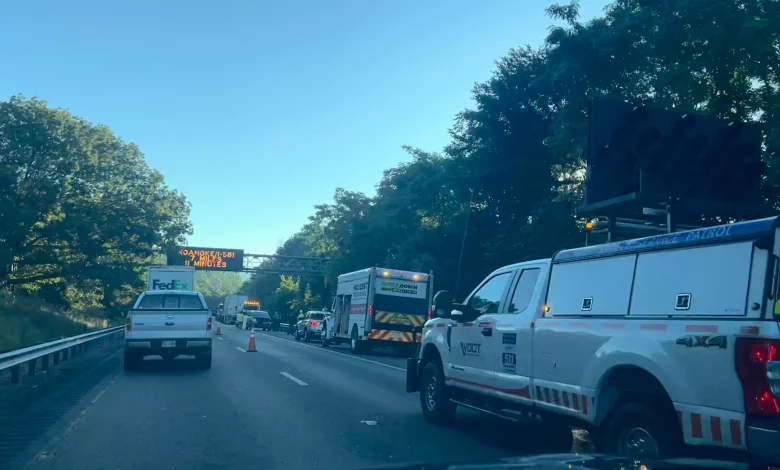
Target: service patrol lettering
x,y
470,349
508,360
359,290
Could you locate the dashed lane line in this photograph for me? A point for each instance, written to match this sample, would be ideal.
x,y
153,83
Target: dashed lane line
x,y
241,349
294,379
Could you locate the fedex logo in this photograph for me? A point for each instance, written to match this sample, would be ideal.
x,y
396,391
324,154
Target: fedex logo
x,y
173,285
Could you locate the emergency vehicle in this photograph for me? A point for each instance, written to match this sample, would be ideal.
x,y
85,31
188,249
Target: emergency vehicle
x,y
243,319
649,343
379,307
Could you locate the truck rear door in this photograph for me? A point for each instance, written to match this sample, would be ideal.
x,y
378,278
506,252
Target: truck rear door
x,y
399,308
170,316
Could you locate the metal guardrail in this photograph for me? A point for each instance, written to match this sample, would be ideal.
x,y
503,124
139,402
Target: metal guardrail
x,y
14,359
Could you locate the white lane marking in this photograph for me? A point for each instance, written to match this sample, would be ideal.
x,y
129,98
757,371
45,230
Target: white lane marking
x,y
241,349
220,338
294,379
338,353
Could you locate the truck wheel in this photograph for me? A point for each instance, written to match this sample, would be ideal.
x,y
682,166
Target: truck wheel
x,y
436,406
204,360
354,343
641,430
132,361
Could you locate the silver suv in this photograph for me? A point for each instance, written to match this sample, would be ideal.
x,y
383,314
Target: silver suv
x,y
310,326
168,324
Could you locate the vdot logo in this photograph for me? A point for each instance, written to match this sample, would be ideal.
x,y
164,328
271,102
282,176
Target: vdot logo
x,y
470,349
173,285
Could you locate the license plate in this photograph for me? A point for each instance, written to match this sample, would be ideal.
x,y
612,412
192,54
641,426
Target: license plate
x,y
169,344
395,334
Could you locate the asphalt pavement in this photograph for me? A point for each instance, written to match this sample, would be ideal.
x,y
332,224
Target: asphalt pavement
x,y
288,405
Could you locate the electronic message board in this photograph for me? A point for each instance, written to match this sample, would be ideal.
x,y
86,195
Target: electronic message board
x,y
214,259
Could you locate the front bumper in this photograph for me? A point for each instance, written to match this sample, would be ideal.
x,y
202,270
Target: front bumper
x,y
764,441
412,375
153,347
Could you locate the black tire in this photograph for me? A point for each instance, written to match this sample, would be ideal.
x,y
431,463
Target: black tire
x,y
434,401
354,344
656,425
204,360
132,361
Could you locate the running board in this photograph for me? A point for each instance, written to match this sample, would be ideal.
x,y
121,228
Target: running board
x,y
482,410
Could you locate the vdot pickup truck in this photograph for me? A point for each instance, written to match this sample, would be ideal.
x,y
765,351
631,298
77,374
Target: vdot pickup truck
x,y
168,324
651,344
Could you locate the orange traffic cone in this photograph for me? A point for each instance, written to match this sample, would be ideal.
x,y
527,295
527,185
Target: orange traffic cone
x,y
219,331
252,347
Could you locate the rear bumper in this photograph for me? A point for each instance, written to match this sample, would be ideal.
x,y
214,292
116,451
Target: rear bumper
x,y
412,375
183,346
764,442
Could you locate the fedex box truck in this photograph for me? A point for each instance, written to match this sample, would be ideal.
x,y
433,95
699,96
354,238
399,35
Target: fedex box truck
x,y
171,278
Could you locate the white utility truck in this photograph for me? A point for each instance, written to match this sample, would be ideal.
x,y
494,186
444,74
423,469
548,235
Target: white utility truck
x,y
650,343
232,305
171,278
379,307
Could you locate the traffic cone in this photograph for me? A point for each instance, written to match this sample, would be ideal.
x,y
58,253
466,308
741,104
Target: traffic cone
x,y
252,347
219,331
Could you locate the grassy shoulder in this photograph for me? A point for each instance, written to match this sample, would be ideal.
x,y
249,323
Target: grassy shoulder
x,y
29,321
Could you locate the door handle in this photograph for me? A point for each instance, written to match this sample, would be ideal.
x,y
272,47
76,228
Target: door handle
x,y
169,323
487,331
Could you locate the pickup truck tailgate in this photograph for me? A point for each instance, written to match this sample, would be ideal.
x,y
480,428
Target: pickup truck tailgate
x,y
167,324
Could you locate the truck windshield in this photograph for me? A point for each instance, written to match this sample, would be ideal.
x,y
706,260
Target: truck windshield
x,y
251,308
398,304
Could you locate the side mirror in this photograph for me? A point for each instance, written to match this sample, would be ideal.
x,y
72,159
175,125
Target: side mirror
x,y
442,304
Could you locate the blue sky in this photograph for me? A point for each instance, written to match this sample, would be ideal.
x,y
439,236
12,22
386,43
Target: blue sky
x,y
257,110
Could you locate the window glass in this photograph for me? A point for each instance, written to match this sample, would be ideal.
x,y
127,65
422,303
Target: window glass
x,y
524,290
488,297
317,316
151,302
191,302
171,301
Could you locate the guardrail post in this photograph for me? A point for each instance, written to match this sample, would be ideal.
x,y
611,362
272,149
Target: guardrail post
x,y
55,358
31,366
15,374
45,363
65,354
73,351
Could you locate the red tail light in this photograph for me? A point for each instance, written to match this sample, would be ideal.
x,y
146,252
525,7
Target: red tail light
x,y
208,324
430,313
313,323
128,324
758,368
370,310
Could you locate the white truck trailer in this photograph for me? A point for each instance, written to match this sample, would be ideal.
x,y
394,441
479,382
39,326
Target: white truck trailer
x,y
171,278
232,305
378,307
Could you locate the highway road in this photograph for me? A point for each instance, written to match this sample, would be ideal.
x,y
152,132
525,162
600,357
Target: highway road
x,y
289,405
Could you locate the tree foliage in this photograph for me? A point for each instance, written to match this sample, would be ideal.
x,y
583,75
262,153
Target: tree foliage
x,y
515,161
80,210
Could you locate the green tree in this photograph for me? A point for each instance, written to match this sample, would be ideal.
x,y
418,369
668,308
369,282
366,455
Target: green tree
x,y
79,208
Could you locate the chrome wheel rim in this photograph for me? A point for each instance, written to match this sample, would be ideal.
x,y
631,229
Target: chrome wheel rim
x,y
638,442
430,394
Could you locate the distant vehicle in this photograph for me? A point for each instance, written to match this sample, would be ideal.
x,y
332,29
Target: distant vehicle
x,y
231,306
261,320
310,326
171,278
168,324
245,314
379,307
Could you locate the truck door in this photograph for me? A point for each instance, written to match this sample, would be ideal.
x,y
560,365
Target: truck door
x,y
472,339
512,340
346,306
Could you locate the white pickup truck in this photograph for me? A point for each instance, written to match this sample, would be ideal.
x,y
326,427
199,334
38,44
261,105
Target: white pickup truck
x,y
649,344
168,323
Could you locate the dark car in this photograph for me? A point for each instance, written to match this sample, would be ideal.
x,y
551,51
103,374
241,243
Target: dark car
x,y
262,320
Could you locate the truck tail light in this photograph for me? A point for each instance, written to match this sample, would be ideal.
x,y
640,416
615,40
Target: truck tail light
x,y
208,324
758,369
370,310
129,324
430,313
